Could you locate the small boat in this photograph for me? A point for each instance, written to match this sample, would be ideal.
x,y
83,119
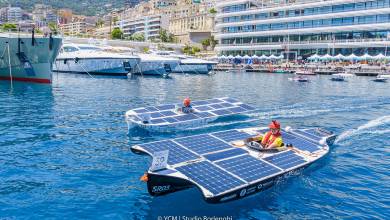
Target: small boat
x,y
299,79
340,77
381,78
165,118
305,72
224,167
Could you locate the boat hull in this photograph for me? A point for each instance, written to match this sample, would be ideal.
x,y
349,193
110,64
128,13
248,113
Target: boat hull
x,y
31,60
156,68
98,66
193,68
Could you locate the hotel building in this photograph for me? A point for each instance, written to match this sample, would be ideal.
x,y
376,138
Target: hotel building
x,y
301,28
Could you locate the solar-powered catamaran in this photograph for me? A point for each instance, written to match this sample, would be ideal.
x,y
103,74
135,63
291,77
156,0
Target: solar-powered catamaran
x,y
164,118
223,168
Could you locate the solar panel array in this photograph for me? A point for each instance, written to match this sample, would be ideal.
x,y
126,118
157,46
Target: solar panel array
x,y
211,177
222,167
202,144
166,114
248,167
299,142
286,160
177,153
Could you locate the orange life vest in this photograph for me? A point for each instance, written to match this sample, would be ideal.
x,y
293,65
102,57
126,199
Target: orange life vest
x,y
269,139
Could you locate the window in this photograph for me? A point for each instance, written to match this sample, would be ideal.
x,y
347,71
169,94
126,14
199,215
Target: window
x,y
337,21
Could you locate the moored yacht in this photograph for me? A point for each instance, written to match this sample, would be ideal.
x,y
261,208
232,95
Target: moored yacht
x,y
152,64
89,59
27,58
189,64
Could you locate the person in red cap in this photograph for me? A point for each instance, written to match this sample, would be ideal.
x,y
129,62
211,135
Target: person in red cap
x,y
186,108
271,139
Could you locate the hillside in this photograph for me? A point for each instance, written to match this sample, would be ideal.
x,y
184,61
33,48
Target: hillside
x,y
83,7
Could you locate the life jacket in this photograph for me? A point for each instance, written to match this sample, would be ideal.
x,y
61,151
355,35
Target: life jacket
x,y
186,109
269,138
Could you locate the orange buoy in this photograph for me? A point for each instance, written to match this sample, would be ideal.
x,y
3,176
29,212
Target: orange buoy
x,y
144,178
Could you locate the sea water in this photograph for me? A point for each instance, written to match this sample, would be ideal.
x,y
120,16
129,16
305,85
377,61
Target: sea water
x,y
65,150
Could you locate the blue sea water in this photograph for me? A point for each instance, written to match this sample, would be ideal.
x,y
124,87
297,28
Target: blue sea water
x,y
65,150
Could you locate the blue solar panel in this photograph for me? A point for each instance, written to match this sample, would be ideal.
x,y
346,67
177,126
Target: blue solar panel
x,y
216,106
168,113
202,144
237,109
299,142
231,100
222,112
210,177
309,135
177,154
248,167
226,105
186,117
286,159
165,107
141,110
157,121
247,107
203,108
225,154
151,109
197,103
156,115
232,135
204,114
214,101
170,120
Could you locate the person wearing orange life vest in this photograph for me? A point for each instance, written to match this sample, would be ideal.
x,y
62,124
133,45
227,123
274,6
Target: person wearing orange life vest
x,y
271,139
186,108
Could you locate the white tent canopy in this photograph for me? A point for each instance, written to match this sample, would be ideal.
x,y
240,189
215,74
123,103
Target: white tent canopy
x,y
230,56
314,57
222,57
326,57
255,56
281,56
246,57
351,57
273,57
365,57
238,56
339,57
379,57
264,57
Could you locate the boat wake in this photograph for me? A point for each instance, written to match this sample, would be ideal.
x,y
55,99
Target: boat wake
x,y
366,128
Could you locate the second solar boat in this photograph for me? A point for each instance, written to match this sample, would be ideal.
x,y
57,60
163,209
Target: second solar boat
x,y
164,118
223,168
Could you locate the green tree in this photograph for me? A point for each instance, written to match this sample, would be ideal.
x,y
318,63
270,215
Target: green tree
x,y
205,43
9,27
53,27
99,23
195,50
213,42
213,11
163,35
116,33
138,36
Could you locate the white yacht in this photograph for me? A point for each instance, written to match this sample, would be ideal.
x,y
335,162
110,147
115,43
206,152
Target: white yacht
x,y
341,76
152,64
190,64
89,59
26,57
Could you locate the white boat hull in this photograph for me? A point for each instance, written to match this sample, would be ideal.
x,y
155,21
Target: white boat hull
x,y
193,68
97,66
